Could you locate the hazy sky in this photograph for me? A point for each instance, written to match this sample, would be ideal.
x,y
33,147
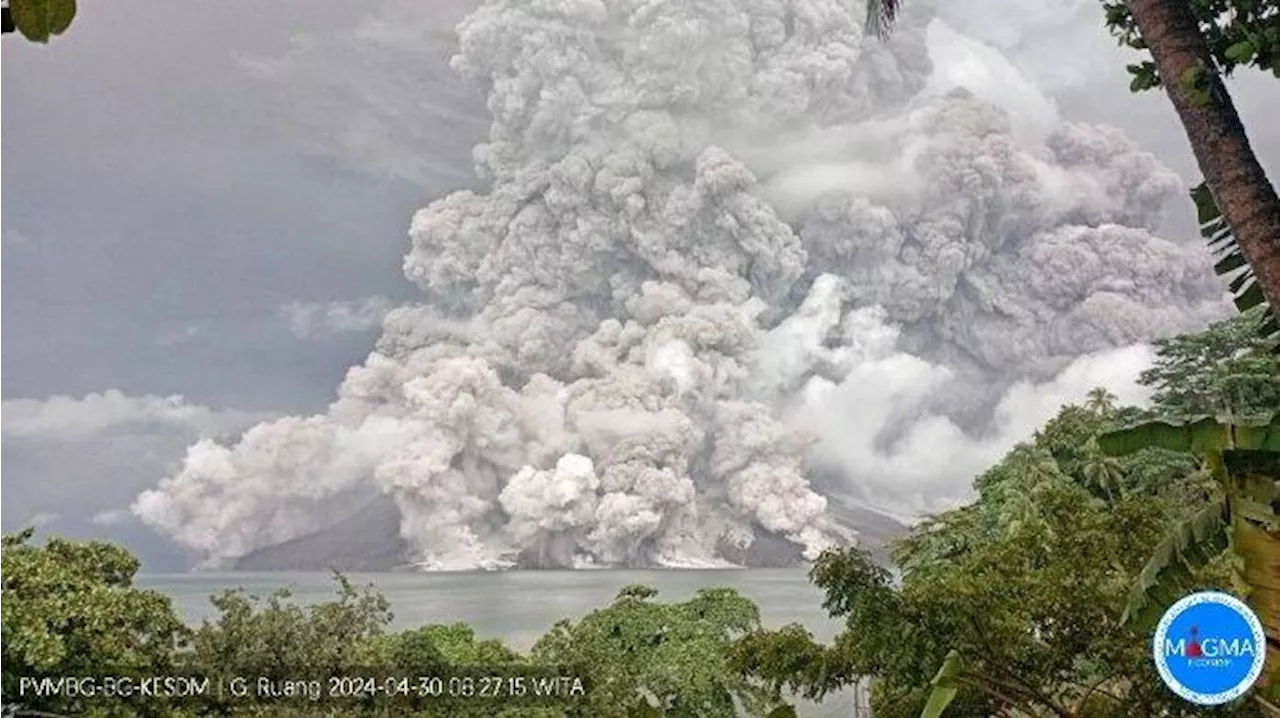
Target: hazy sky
x,y
210,199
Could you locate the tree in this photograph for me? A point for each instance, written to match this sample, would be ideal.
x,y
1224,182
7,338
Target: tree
x,y
1230,33
276,639
1216,394
655,659
1010,605
1196,43
37,20
70,609
1193,44
1211,446
1034,599
1228,370
1244,460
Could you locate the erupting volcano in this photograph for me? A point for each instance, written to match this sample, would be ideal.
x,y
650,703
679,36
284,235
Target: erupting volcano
x,y
740,278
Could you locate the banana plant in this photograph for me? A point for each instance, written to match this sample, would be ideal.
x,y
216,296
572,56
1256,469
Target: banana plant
x,y
1244,460
955,673
944,686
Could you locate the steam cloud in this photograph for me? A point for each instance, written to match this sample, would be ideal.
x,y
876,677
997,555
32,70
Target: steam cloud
x,y
735,263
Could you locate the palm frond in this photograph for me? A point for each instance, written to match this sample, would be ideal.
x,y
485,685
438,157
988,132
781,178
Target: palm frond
x,y
881,14
1231,261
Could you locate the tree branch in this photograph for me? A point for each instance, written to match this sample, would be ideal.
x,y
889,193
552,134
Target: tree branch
x,y
1095,688
1028,690
1007,700
1270,707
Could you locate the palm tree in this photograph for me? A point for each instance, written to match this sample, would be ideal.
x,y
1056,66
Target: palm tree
x,y
1238,184
1100,401
1105,473
881,15
1239,213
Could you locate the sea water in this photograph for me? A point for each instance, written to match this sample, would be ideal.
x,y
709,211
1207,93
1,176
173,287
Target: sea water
x,y
519,606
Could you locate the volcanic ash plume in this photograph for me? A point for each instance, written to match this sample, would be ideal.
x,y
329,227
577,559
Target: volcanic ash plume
x,y
707,223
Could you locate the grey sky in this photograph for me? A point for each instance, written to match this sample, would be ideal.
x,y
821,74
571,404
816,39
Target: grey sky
x,y
188,187
167,215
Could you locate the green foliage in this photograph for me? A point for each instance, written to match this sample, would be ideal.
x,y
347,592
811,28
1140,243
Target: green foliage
x,y
1175,564
860,592
1144,75
278,639
70,608
440,645
1239,33
670,657
37,20
1013,602
1192,437
1231,263
1244,461
944,686
1228,370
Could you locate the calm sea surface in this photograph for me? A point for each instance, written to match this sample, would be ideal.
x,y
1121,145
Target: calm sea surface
x,y
519,606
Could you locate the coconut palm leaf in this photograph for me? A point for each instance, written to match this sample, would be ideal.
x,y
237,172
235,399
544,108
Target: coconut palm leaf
x,y
881,15
1231,261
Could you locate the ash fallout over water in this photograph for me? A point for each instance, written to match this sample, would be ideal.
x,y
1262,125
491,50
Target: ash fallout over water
x,y
737,267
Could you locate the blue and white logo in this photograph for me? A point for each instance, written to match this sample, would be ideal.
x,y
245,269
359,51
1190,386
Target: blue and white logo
x,y
1209,648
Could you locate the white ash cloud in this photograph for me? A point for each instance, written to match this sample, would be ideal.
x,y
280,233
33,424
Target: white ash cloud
x,y
960,61
81,461
1013,255
1059,44
113,517
69,418
684,261
314,320
847,383
379,97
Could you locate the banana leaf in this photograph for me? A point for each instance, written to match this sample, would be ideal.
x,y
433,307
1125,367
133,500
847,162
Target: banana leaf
x,y
1189,545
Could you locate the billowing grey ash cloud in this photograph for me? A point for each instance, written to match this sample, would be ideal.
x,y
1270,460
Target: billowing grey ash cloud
x,y
75,463
725,248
